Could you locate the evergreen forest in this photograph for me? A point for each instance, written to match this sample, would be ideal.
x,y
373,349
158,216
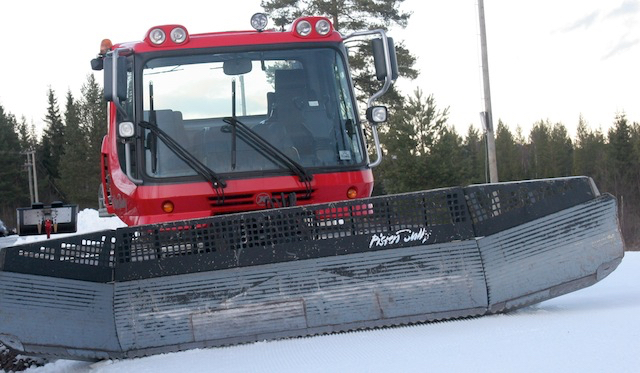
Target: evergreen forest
x,y
422,151
422,148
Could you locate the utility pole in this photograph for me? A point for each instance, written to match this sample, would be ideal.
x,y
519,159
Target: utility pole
x,y
33,176
486,115
28,167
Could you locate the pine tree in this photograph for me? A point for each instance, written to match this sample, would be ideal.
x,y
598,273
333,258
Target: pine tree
x,y
73,180
26,135
445,162
475,157
348,16
507,154
635,139
53,138
620,150
539,139
523,170
93,120
400,157
561,151
93,112
632,220
13,182
623,166
589,155
408,140
620,158
428,122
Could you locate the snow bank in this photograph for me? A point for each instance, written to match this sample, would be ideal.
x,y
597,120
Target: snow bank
x,y
593,330
89,221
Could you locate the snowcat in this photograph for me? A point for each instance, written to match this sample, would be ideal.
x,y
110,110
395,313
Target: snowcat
x,y
238,162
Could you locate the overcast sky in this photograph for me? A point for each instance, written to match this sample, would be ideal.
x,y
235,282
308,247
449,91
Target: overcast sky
x,y
548,59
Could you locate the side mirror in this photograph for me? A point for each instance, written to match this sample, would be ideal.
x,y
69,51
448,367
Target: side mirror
x,y
377,114
379,59
97,64
115,82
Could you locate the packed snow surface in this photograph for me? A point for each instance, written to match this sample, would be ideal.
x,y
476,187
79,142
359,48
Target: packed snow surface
x,y
592,330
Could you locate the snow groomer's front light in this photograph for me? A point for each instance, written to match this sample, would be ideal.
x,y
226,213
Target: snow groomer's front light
x,y
157,36
259,21
303,28
178,35
377,114
323,27
126,130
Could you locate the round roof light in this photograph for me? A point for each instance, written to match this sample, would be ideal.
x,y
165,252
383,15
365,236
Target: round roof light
x,y
303,28
157,36
178,35
259,21
323,27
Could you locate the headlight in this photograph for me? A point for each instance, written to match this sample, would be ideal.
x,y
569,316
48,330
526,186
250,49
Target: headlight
x,y
259,21
303,28
126,129
157,36
377,114
178,35
323,27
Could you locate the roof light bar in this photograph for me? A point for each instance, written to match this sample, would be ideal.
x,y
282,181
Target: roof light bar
x,y
312,27
167,35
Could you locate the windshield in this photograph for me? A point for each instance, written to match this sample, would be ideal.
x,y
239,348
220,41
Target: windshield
x,y
298,100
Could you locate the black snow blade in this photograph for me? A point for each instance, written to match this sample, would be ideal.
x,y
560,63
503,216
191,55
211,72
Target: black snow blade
x,y
305,270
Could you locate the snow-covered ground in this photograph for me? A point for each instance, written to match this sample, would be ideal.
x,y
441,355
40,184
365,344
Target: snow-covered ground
x,y
593,330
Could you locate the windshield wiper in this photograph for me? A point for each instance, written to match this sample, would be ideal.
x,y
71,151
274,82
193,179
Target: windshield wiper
x,y
208,174
268,149
152,142
264,146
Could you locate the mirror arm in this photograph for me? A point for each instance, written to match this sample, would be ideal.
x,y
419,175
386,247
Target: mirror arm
x,y
376,140
387,61
382,91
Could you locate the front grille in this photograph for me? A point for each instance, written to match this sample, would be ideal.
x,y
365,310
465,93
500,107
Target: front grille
x,y
266,200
